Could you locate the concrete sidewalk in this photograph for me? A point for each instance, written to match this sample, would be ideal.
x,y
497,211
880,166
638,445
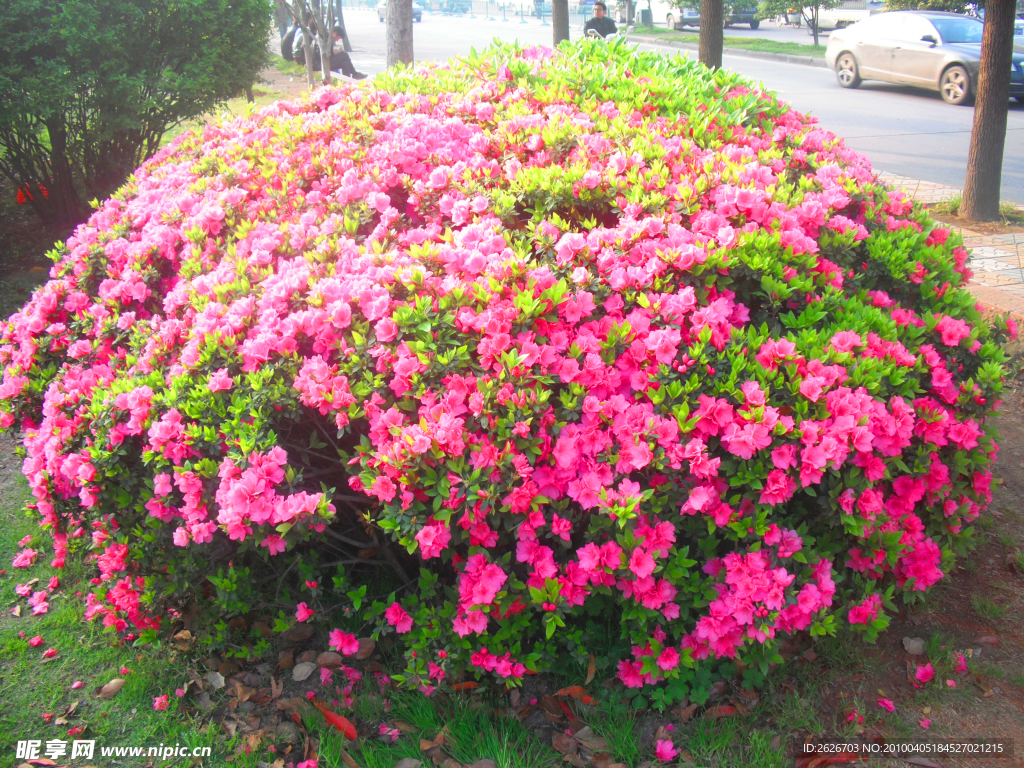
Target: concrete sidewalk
x,y
997,260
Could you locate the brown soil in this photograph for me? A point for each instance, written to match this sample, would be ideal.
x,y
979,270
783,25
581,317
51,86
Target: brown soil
x,y
981,227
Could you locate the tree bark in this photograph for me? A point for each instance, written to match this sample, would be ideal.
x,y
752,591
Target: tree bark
x,y
302,14
344,30
980,200
559,21
814,23
399,32
711,33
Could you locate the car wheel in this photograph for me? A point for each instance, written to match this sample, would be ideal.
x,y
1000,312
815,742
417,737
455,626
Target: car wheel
x,y
755,24
955,86
846,71
670,21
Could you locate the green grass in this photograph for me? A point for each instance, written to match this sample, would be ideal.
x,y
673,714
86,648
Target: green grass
x,y
987,609
288,67
235,107
748,43
30,688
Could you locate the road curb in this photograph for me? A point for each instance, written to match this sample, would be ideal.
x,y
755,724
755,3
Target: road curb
x,y
788,58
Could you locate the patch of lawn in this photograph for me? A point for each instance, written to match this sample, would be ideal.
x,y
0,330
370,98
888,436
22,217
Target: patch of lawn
x,y
235,107
748,43
31,686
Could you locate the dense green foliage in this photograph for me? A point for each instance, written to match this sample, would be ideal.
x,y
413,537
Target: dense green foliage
x,y
88,87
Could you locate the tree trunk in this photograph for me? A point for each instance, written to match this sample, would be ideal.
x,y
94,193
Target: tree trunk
x,y
66,208
559,20
711,33
344,30
399,32
814,23
980,200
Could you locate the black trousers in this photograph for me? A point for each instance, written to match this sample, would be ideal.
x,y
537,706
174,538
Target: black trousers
x,y
340,62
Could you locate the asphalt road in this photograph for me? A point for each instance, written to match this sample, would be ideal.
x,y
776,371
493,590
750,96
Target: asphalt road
x,y
902,130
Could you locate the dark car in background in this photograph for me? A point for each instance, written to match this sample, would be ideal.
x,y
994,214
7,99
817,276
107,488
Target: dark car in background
x,y
417,11
928,49
690,17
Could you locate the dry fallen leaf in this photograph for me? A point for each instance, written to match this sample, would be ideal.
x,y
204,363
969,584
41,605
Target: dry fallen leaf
x,y
110,690
276,688
592,741
183,640
722,710
591,670
551,708
16,613
215,679
686,713
563,743
484,763
408,762
404,727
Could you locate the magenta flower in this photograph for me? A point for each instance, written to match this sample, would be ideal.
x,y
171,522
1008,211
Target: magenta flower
x,y
398,618
665,751
304,612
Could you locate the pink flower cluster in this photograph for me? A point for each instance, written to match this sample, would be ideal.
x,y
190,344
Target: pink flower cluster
x,y
565,345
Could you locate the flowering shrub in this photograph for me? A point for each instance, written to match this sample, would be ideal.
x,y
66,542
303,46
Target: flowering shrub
x,y
596,331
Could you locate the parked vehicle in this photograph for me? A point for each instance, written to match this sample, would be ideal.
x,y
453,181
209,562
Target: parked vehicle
x,y
928,49
844,15
382,11
690,17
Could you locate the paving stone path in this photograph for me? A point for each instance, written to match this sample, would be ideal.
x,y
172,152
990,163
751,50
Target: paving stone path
x,y
997,260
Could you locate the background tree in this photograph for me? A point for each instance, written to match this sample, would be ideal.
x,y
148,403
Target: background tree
x,y
399,32
809,9
985,159
712,23
303,14
559,20
88,88
954,6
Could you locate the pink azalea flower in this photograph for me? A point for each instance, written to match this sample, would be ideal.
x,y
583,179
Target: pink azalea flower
x,y
160,703
951,683
398,618
887,705
25,558
35,641
343,643
924,723
304,612
924,674
76,685
665,751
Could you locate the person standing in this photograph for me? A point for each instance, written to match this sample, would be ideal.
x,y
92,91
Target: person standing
x,y
601,23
